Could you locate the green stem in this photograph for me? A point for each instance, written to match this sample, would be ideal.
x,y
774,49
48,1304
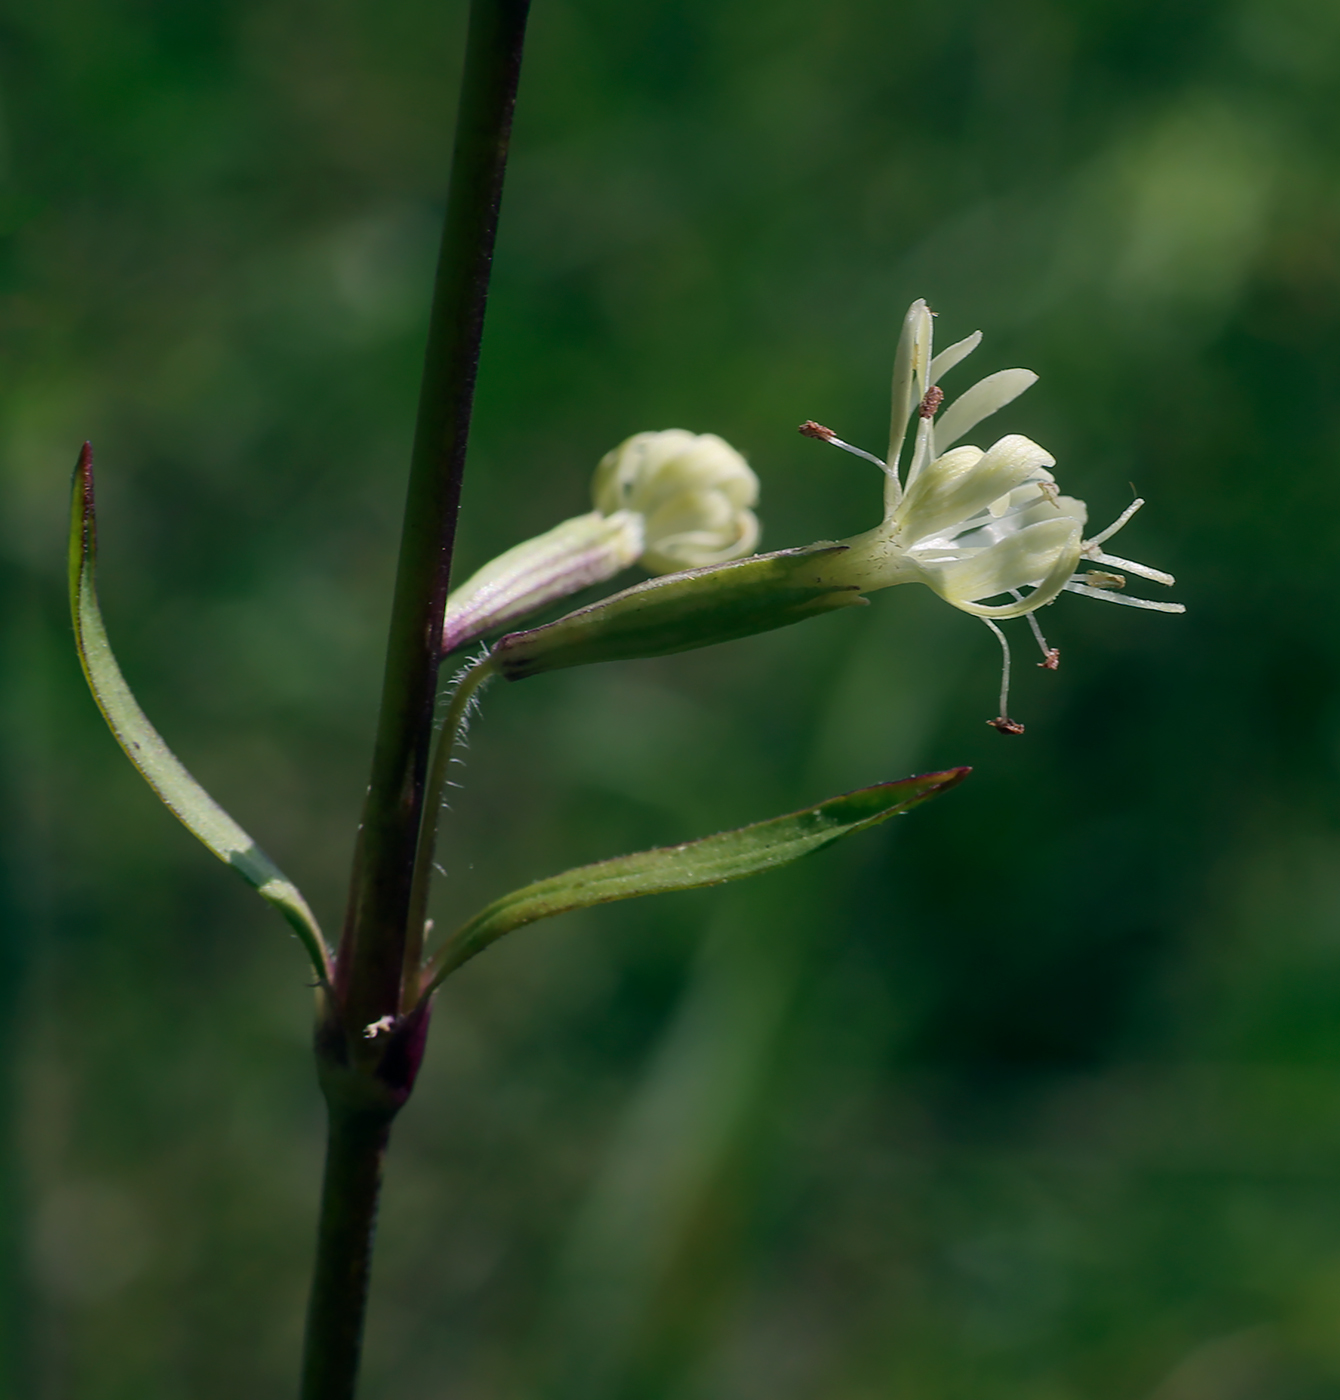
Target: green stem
x,y
371,955
355,1147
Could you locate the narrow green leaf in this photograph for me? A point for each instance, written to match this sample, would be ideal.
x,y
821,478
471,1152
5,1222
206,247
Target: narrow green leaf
x,y
730,855
158,765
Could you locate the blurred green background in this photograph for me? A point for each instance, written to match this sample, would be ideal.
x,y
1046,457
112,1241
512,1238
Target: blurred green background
x,y
1033,1095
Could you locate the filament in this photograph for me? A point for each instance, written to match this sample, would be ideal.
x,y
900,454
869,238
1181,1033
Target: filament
x,y
1004,668
1117,524
1131,567
1051,657
1108,597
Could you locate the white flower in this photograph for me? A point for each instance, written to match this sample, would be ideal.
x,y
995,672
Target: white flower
x,y
673,499
987,530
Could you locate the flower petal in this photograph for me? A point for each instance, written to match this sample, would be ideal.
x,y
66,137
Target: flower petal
x,y
648,468
910,368
954,487
1042,555
947,359
696,528
981,401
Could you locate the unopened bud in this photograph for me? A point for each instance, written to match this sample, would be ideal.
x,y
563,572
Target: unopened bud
x,y
693,492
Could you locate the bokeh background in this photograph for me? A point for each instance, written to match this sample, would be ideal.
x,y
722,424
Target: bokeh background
x,y
1031,1095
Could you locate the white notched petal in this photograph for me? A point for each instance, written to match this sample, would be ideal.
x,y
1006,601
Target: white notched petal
x,y
955,354
981,401
967,480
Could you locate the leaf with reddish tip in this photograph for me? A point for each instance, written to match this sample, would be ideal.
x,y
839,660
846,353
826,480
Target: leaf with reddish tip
x,y
158,765
712,860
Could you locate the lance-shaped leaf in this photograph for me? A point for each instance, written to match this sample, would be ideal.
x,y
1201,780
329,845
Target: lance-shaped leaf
x,y
713,860
144,746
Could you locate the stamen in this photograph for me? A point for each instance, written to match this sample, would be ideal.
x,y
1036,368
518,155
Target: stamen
x,y
1100,578
1051,656
1117,524
934,397
1002,723
1131,567
921,452
815,430
1146,603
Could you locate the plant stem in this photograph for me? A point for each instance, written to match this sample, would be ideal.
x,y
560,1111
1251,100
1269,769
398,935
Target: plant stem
x,y
367,1079
355,1147
368,968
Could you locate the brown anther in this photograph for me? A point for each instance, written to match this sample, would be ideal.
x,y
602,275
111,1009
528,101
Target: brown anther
x,y
1003,725
935,396
817,430
1100,578
1052,660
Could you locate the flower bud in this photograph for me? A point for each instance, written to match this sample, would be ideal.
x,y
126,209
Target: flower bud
x,y
674,500
693,491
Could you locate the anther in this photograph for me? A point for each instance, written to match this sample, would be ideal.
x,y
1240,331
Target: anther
x,y
935,396
811,429
1052,660
1002,725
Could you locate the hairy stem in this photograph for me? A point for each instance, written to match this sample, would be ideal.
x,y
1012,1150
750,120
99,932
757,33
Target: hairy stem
x,y
468,684
355,1147
368,968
